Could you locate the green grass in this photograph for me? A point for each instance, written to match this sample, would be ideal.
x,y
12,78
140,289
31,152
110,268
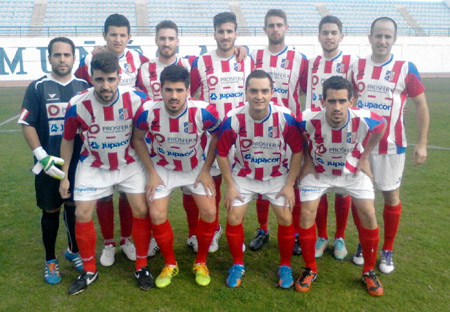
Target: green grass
x,y
419,283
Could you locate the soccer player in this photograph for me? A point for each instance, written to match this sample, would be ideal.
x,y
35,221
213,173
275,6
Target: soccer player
x,y
117,35
340,140
218,78
260,131
177,125
42,119
332,62
104,115
383,83
288,69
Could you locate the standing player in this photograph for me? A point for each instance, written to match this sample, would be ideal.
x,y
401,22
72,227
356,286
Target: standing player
x,y
177,127
218,78
288,69
42,119
104,116
340,140
260,132
332,62
117,35
383,83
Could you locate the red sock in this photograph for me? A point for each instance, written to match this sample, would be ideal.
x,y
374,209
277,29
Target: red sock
x,y
307,238
86,240
141,237
286,241
164,237
191,213
321,217
235,238
126,219
262,211
105,214
205,233
356,218
341,209
391,216
296,211
369,243
218,183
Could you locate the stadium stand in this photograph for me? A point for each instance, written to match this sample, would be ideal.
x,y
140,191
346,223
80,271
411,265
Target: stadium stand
x,y
51,17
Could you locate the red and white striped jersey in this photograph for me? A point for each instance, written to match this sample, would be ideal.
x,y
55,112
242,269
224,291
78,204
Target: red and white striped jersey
x,y
337,151
148,76
129,62
260,151
289,70
105,129
384,89
178,142
220,81
320,69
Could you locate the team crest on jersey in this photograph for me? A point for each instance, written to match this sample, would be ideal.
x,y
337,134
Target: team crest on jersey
x,y
124,114
128,68
237,67
340,68
284,63
351,137
188,127
389,76
273,132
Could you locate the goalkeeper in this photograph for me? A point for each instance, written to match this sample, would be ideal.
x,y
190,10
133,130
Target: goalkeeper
x,y
42,118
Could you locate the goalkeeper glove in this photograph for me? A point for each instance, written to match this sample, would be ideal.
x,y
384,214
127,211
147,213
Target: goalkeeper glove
x,y
47,163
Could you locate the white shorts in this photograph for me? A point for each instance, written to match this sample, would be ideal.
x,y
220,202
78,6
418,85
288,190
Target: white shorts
x,y
95,183
173,179
387,170
250,188
360,187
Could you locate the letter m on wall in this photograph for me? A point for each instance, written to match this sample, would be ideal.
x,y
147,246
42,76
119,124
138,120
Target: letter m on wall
x,y
6,63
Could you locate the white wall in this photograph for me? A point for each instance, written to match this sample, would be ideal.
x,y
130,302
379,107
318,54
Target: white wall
x,y
26,58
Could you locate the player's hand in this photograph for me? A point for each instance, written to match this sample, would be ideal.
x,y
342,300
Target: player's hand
x,y
64,188
48,164
99,49
204,177
289,196
240,52
153,181
420,155
364,166
230,195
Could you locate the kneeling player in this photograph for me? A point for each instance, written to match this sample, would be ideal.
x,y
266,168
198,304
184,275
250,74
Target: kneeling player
x,y
104,116
177,126
260,131
340,140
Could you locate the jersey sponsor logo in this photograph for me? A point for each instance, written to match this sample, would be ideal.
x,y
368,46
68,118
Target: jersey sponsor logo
x,y
127,81
310,189
373,105
361,86
279,75
232,79
245,144
317,97
265,145
181,141
212,81
213,97
320,149
56,128
315,80
159,138
94,145
280,90
336,164
175,153
116,129
56,110
231,95
52,97
339,150
156,86
261,160
379,88
88,189
94,129
124,114
113,145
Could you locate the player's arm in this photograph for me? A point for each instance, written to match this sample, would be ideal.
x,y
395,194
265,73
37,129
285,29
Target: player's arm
x,y
141,149
240,52
45,162
375,136
66,152
204,177
288,189
423,124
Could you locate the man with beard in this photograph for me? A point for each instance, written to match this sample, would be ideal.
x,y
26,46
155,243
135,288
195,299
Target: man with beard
x,y
42,119
288,69
219,78
332,62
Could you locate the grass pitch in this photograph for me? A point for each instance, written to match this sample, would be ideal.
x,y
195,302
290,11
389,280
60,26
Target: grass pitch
x,y
419,283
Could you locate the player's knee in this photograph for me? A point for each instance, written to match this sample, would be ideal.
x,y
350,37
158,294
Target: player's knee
x,y
234,219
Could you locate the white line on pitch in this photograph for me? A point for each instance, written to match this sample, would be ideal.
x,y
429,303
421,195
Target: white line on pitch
x,y
8,120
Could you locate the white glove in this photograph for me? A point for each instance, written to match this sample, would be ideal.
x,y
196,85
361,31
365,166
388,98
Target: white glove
x,y
48,163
